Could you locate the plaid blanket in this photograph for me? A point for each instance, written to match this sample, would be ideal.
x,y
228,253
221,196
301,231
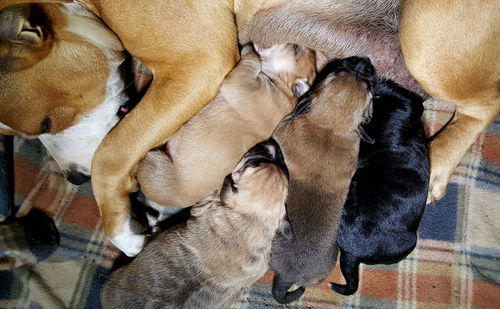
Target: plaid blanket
x,y
455,264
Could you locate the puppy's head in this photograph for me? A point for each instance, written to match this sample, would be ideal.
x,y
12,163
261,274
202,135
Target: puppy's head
x,y
341,95
290,66
259,183
59,68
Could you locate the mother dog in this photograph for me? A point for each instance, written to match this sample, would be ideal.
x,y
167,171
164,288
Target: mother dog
x,y
191,46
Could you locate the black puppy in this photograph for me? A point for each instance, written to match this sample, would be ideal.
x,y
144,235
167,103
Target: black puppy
x,y
388,192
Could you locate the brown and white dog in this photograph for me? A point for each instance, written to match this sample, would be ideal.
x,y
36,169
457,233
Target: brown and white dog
x,y
190,47
47,90
224,247
261,90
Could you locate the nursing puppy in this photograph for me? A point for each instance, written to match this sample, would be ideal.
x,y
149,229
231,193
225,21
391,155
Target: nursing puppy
x,y
388,192
254,97
320,142
223,248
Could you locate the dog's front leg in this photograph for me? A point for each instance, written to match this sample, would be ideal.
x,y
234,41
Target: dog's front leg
x,y
447,149
172,99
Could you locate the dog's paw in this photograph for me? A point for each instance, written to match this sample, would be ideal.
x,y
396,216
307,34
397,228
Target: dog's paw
x,y
437,186
129,241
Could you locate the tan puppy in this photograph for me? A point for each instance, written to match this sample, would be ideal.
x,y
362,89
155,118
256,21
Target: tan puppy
x,y
453,49
252,100
320,143
190,47
223,248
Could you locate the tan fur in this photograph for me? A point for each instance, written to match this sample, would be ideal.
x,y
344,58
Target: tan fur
x,y
252,100
190,62
453,50
223,248
43,75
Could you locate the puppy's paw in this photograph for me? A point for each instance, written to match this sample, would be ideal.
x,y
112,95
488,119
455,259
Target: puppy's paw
x,y
129,241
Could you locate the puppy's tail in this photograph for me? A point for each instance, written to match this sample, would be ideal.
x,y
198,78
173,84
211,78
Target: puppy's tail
x,y
349,265
280,290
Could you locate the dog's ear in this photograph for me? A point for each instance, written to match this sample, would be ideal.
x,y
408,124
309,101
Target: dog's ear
x,y
16,25
284,228
6,3
303,106
228,187
264,51
362,134
202,206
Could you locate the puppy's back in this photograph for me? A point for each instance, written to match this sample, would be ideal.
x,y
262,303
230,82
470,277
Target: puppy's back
x,y
388,192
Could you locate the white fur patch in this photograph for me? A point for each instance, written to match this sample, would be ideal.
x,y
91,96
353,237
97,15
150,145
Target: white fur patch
x,y
76,145
128,241
6,127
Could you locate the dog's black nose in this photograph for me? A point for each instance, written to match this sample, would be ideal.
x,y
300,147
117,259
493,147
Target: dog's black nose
x,y
76,177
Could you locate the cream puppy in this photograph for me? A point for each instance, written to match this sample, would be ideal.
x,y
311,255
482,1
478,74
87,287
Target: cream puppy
x,y
224,247
252,100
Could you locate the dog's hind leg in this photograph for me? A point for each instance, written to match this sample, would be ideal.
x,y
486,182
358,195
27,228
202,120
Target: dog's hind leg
x,y
280,290
452,49
349,265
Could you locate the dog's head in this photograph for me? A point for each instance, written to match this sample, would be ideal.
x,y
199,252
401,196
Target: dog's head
x,y
341,95
59,79
290,66
259,183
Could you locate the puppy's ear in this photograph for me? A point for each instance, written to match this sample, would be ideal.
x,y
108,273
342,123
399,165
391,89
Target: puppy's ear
x,y
264,51
228,187
303,106
285,229
299,87
362,134
202,206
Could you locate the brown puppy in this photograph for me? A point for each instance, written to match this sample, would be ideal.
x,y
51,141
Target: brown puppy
x,y
252,100
320,143
453,49
223,248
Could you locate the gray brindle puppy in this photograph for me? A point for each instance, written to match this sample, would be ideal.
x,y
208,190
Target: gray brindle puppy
x,y
223,248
